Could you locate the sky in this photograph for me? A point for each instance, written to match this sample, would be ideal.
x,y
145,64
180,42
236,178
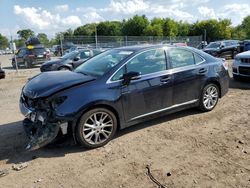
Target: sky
x,y
52,16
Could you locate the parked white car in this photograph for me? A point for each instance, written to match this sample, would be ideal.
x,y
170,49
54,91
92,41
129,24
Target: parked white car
x,y
241,65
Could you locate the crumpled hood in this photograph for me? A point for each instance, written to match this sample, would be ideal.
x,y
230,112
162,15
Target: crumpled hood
x,y
47,83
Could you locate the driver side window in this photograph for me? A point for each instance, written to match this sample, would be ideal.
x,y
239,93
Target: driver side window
x,y
145,63
148,62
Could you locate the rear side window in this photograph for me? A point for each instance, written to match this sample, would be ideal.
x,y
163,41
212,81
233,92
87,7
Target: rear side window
x,y
180,57
198,59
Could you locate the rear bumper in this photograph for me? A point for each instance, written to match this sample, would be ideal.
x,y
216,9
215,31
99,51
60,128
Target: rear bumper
x,y
224,82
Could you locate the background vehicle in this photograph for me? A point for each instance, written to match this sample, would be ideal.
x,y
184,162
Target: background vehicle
x,y
2,73
241,65
119,88
66,46
70,60
244,45
226,48
30,56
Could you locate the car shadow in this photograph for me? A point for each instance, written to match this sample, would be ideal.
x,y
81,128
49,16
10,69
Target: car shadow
x,y
243,83
13,140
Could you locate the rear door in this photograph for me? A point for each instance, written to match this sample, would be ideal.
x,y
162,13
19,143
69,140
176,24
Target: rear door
x,y
151,93
189,72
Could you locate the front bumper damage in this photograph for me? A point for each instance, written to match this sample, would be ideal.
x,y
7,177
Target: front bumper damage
x,y
40,126
39,134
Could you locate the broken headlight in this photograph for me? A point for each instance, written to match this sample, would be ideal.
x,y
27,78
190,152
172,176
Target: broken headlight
x,y
57,101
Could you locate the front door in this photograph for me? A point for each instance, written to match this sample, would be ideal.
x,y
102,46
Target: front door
x,y
153,91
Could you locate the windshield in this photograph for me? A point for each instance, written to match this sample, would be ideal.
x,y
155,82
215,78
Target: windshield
x,y
214,45
102,63
70,55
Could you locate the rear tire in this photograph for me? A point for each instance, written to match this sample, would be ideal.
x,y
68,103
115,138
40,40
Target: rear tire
x,y
96,128
14,65
27,64
209,97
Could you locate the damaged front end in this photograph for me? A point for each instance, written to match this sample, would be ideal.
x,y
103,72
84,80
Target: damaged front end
x,y
41,124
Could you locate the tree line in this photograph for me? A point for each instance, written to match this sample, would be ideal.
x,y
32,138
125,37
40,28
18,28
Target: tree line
x,y
142,26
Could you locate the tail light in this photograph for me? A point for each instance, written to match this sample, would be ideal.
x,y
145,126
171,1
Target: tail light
x,y
225,64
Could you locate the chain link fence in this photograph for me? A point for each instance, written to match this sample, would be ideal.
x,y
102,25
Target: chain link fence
x,y
117,41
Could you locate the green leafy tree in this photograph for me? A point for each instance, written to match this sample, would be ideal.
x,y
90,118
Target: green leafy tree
x,y
238,33
135,26
170,27
246,26
25,34
68,33
4,43
183,28
88,30
19,43
154,30
43,39
109,28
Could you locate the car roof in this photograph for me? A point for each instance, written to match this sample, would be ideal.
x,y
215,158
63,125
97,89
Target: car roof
x,y
144,47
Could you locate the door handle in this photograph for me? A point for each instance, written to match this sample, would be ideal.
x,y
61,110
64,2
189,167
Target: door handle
x,y
202,71
165,79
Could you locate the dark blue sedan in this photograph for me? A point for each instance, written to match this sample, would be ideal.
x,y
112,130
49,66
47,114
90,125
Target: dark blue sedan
x,y
119,88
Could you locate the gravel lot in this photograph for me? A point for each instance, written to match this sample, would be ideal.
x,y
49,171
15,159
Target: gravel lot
x,y
186,149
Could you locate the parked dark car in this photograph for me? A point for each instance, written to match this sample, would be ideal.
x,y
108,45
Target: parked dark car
x,y
119,88
226,48
30,56
2,73
65,46
69,61
241,66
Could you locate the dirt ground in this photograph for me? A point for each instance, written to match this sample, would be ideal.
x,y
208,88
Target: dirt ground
x,y
186,149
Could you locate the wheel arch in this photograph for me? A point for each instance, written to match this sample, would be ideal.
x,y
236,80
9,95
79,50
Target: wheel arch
x,y
216,82
100,105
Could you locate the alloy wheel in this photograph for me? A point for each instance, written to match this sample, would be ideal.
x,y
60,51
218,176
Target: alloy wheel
x,y
97,128
210,97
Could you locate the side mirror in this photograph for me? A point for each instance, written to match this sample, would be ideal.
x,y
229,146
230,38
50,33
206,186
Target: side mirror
x,y
76,58
222,46
130,76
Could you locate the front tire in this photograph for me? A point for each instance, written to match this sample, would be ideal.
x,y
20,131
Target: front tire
x,y
209,97
96,128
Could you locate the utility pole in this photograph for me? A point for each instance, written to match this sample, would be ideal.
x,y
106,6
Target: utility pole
x,y
96,36
205,35
13,48
61,44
